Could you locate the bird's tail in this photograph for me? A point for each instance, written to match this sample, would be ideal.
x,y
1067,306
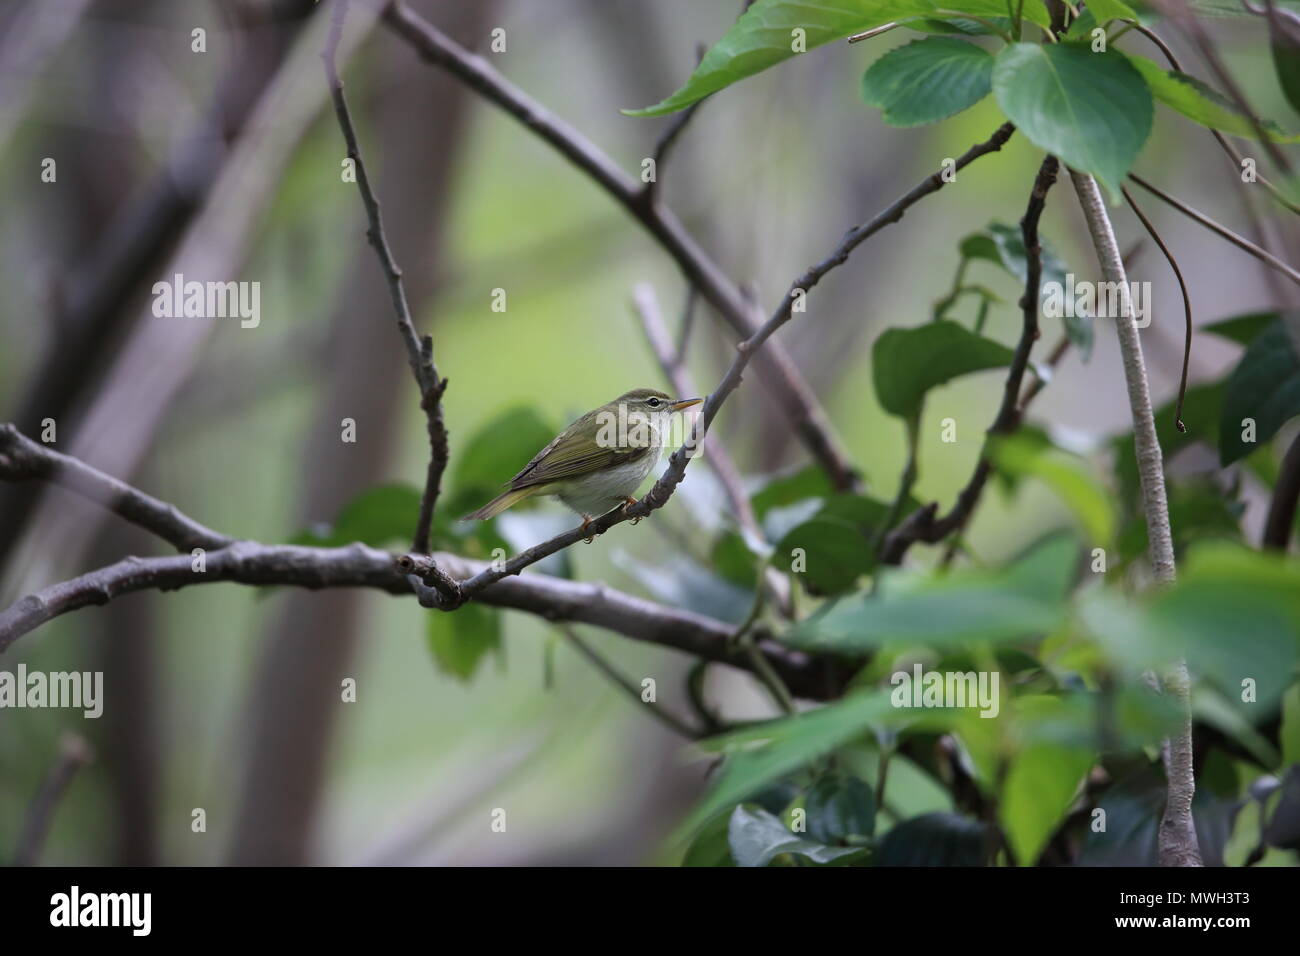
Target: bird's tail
x,y
500,503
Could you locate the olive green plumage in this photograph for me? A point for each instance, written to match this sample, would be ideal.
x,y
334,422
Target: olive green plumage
x,y
598,461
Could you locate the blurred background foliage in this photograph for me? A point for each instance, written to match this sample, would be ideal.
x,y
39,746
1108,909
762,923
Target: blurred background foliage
x,y
228,699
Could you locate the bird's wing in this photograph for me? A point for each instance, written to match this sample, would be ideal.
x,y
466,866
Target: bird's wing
x,y
572,456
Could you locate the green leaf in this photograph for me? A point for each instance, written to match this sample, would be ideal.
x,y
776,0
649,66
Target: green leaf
x,y
840,808
1067,475
782,746
1104,10
375,517
935,839
1004,245
764,36
1265,387
907,363
1242,329
756,837
497,451
1289,734
710,846
782,490
928,80
832,549
959,26
965,606
1286,58
460,639
1093,110
1038,790
1202,104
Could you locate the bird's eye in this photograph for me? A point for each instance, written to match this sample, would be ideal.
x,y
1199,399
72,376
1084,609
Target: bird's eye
x,y
653,402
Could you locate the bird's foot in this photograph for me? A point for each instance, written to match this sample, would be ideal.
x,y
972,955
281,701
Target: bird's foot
x,y
586,523
628,503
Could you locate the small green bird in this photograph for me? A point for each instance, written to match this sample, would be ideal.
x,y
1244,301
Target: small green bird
x,y
599,460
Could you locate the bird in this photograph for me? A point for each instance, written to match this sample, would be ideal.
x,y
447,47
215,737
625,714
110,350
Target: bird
x,y
599,461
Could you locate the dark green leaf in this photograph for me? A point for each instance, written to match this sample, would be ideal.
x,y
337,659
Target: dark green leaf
x,y
960,26
935,839
928,80
909,362
832,549
1242,329
1264,387
460,639
756,837
1286,57
1093,110
840,809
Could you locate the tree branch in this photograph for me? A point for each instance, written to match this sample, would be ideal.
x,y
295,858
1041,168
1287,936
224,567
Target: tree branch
x,y
22,459
419,352
555,599
776,367
626,685
1177,835
74,753
922,524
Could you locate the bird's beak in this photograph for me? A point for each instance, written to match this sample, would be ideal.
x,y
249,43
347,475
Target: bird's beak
x,y
685,403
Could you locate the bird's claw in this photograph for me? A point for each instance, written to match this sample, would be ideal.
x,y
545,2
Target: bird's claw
x,y
586,523
628,503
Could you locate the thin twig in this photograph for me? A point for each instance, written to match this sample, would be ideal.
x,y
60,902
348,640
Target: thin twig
x,y
1244,244
1187,305
669,137
627,686
775,367
1187,20
923,524
419,352
74,753
1222,140
1177,834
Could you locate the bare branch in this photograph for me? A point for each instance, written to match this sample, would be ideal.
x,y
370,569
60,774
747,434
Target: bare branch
x,y
626,685
555,599
22,459
892,214
922,524
775,367
1262,255
74,753
419,352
